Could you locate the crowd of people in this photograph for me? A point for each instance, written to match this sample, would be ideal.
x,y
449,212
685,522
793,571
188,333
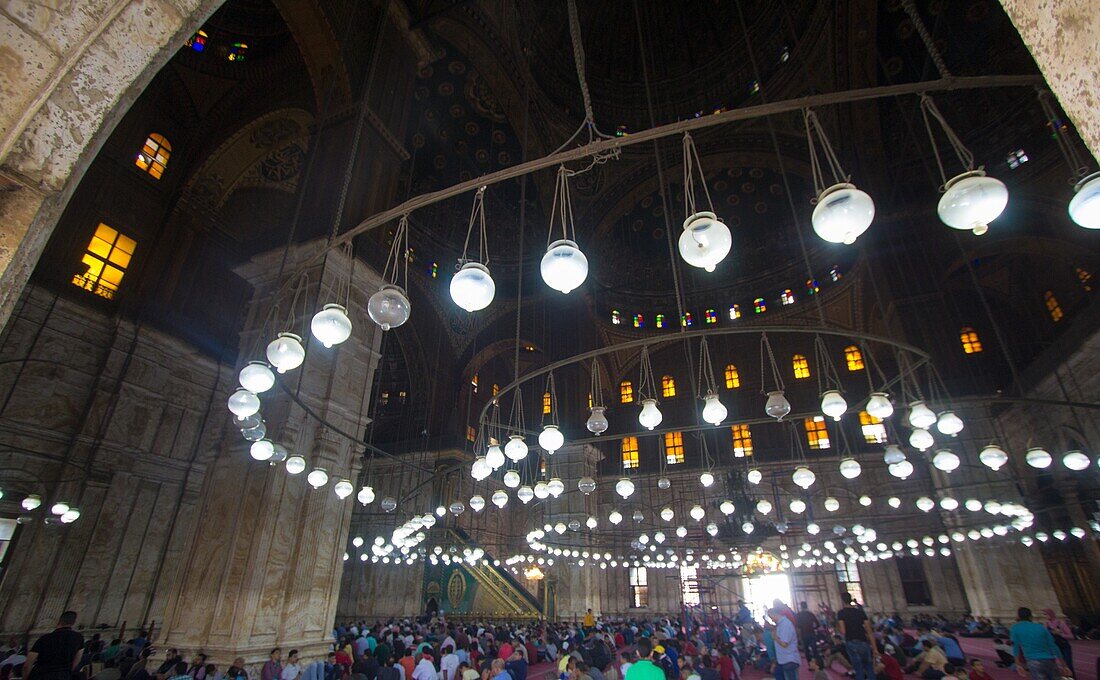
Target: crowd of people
x,y
847,643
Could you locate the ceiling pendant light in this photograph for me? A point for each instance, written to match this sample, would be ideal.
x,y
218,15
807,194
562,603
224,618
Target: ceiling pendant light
x,y
31,502
659,537
59,508
850,468
664,483
901,470
542,490
865,501
879,406
712,529
516,448
893,502
477,503
777,405
624,487
763,506
925,504
697,512
243,404
833,404
389,307
1075,460
525,493
949,423
650,416
472,287
551,438
555,486
920,416
500,498
993,457
803,477
832,504
591,522
949,504
511,479
893,454
331,326
1038,458
564,267
797,506
615,517
365,495
586,485
70,516
597,422
813,529
727,507
343,488
706,479
1084,207
681,531
295,464
747,527
480,469
667,514
946,461
842,213
286,352
921,439
754,476
705,240
256,377
494,457
317,478
262,450
713,410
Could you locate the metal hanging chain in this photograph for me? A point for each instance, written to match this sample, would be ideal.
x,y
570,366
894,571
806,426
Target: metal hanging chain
x,y
926,38
1077,165
647,386
706,369
691,163
399,250
299,295
813,128
562,209
596,385
516,422
477,218
828,376
494,423
349,253
589,122
766,350
871,362
928,110
552,391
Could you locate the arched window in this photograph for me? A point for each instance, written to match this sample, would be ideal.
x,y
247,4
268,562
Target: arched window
x,y
811,287
616,319
639,322
496,389
153,157
668,386
674,447
817,436
971,344
787,297
545,403
874,432
473,383
626,392
660,321
105,261
759,306
742,441
801,366
629,448
686,320
589,401
197,42
1053,307
733,378
735,312
854,358
711,316
1085,277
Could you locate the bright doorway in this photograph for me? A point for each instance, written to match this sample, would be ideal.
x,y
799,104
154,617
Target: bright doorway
x,y
761,591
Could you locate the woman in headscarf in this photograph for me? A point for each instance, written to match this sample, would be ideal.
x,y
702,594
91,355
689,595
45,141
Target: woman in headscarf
x,y
1062,635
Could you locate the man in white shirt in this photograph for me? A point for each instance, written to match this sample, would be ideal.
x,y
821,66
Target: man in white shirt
x,y
787,656
448,664
425,670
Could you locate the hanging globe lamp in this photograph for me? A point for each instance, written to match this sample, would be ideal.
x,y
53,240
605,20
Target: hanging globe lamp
x,y
295,464
262,450
850,468
389,307
516,448
525,493
842,213
597,422
713,410
993,457
343,488
286,352
833,404
879,406
705,240
511,479
1075,460
564,266
331,326
586,485
920,416
1038,458
477,503
256,377
650,416
317,478
754,476
551,438
624,487
472,287
500,498
803,477
1084,207
777,405
971,201
949,423
365,495
243,404
494,457
921,440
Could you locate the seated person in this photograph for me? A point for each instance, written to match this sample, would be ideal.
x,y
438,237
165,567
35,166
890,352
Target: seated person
x,y
1005,657
951,650
838,652
888,668
978,671
930,663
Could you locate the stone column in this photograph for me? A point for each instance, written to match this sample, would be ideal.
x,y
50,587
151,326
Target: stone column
x,y
576,588
1000,577
264,564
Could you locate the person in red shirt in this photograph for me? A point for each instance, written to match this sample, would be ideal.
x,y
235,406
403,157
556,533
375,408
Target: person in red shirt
x,y
978,671
620,641
725,665
506,650
889,667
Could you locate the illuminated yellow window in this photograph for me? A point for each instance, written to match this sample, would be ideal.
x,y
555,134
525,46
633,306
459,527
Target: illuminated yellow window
x,y
106,259
816,434
496,389
970,341
801,366
384,398
742,441
668,386
545,403
629,448
1085,277
589,401
402,396
1053,307
733,378
626,392
874,432
153,157
854,358
674,447
471,433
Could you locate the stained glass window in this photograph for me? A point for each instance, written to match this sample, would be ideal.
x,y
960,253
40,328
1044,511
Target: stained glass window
x,y
735,312
105,261
660,321
1085,277
971,344
674,447
742,441
733,378
626,392
787,297
473,383
1053,307
817,436
711,316
874,432
639,588
629,448
686,319
835,274
236,51
154,155
759,306
197,42
496,389
471,433
435,270
616,319
668,386
854,358
545,403
811,287
801,366
639,322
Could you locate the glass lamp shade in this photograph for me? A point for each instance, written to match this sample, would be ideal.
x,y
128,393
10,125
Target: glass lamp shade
x,y
681,532
551,438
286,352
973,504
564,266
763,506
365,495
389,504
480,469
865,500
541,490
712,529
754,476
624,487
971,201
713,410
280,454
833,404
295,464
650,416
705,240
1075,460
697,512
803,476
254,434
893,454
1038,458
615,517
477,503
256,377
664,483
591,522
920,416
70,516
949,423
587,485
59,508
457,508
777,405
1084,207
317,478
262,450
747,527
813,529
556,486
494,457
525,494
798,506
948,503
727,507
659,537
879,406
389,307
243,404
893,502
667,514
343,488
993,457
843,212
560,528
706,479
500,498
945,461
901,470
597,422
638,516
31,502
472,287
331,325
511,479
516,448
921,439
925,504
832,504
850,468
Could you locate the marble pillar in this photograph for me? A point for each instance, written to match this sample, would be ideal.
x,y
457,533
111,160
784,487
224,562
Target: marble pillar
x,y
264,563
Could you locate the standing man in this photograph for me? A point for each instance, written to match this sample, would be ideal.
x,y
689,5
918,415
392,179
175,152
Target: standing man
x,y
1034,647
644,668
859,639
56,655
807,630
786,645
